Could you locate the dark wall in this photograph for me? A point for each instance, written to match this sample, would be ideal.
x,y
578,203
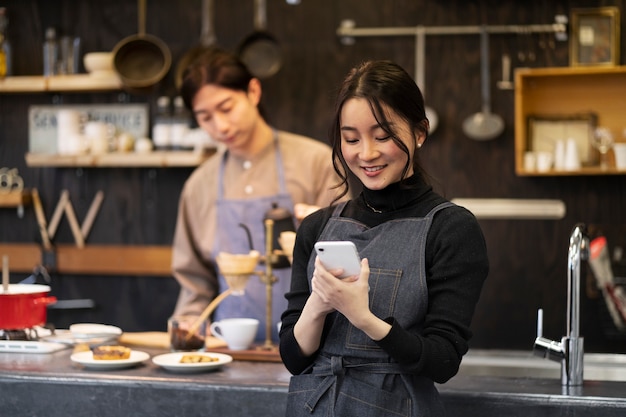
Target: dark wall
x,y
528,257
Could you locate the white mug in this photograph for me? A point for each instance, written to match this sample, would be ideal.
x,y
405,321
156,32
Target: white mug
x,y
238,333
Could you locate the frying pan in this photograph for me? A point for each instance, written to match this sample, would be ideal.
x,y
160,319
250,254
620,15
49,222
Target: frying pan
x,y
260,50
207,38
484,125
141,60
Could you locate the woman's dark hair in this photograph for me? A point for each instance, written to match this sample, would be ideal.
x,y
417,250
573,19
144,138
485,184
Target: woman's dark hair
x,y
215,66
380,83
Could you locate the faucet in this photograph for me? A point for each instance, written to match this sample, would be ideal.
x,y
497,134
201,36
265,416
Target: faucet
x,y
570,350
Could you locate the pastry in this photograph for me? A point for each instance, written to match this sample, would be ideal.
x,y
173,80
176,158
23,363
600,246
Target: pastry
x,y
197,358
109,353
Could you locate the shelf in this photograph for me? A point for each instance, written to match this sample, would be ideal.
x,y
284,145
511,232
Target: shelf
x,y
581,172
566,91
59,83
15,198
161,159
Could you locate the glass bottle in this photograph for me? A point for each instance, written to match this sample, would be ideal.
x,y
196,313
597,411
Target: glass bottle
x,y
5,46
50,52
162,126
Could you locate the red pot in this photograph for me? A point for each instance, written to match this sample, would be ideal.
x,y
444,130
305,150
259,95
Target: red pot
x,y
24,306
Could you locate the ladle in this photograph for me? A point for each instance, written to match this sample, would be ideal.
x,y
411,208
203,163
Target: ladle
x,y
484,125
420,54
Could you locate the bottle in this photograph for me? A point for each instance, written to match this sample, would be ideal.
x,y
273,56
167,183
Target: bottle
x,y
181,122
6,69
162,126
50,52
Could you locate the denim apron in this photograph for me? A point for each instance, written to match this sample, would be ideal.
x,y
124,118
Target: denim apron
x,y
352,376
232,238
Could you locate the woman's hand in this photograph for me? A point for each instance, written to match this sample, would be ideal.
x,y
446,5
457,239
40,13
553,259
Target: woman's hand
x,y
350,297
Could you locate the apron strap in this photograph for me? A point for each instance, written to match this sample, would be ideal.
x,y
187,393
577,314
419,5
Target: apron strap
x,y
335,367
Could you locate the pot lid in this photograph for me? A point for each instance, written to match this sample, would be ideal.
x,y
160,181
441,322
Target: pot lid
x,y
15,289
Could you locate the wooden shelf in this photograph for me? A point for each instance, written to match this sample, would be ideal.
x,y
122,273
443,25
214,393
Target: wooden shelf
x,y
151,260
566,91
59,83
15,198
161,159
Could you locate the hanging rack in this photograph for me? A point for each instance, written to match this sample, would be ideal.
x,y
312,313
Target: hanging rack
x,y
348,30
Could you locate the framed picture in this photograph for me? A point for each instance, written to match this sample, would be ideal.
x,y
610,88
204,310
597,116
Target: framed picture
x,y
594,37
545,130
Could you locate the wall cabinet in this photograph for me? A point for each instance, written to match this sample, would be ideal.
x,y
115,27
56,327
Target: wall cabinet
x,y
564,91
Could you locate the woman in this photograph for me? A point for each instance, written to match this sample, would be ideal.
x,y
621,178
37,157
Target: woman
x,y
374,344
255,169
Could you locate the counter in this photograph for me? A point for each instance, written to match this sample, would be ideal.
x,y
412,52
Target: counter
x,y
51,385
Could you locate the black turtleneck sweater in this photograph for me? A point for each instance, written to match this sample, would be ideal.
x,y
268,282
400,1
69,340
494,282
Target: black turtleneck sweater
x,y
456,266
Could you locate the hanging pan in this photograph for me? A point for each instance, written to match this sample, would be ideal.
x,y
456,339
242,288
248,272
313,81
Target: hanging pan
x,y
484,125
207,39
141,60
260,50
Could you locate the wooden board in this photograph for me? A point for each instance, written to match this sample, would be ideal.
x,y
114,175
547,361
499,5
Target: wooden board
x,y
256,354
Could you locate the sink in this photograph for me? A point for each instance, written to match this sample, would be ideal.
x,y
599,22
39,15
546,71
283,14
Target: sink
x,y
523,364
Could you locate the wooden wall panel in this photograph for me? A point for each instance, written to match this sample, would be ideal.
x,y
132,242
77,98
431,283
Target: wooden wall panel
x,y
528,258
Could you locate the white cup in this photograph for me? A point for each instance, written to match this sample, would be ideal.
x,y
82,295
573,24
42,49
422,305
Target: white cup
x,y
237,333
530,161
99,135
572,161
544,161
68,126
620,155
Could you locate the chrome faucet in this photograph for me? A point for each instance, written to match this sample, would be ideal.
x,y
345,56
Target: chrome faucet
x,y
570,350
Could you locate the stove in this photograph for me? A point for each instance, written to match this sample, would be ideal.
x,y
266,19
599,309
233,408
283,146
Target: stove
x,y
30,346
28,341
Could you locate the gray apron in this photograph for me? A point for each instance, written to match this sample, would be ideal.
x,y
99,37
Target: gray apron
x,y
352,375
231,238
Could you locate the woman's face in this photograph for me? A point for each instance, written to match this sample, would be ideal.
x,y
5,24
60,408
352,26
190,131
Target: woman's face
x,y
368,150
229,116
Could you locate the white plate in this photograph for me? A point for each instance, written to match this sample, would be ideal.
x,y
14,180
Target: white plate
x,y
91,330
171,362
86,359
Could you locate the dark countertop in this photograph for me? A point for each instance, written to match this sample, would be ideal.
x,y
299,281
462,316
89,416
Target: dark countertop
x,y
52,385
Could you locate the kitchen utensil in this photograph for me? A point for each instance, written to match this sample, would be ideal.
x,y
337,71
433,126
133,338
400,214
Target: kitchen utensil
x,y
484,125
283,222
420,57
181,336
5,273
23,306
207,312
141,60
505,83
260,50
207,39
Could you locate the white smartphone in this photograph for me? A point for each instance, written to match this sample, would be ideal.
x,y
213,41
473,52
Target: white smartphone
x,y
339,255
